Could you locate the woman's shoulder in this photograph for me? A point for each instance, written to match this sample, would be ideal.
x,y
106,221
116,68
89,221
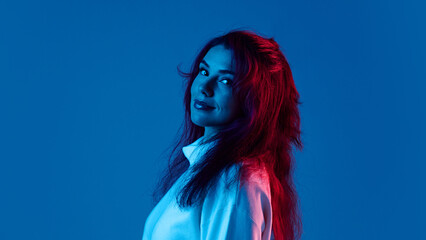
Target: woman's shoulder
x,y
245,178
241,191
242,203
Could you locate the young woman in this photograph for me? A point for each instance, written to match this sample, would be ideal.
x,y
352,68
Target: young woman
x,y
232,176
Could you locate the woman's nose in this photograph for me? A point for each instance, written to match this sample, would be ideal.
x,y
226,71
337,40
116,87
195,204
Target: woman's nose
x,y
206,88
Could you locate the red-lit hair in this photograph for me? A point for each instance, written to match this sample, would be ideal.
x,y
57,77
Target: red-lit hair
x,y
266,129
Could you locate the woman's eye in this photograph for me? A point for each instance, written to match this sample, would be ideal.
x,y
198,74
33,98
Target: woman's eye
x,y
227,82
203,71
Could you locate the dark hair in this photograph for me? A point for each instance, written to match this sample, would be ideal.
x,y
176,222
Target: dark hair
x,y
263,133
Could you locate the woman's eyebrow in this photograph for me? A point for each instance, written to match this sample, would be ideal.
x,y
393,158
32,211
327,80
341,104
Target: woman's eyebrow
x,y
221,71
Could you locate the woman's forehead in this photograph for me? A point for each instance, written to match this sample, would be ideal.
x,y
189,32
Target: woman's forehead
x,y
219,57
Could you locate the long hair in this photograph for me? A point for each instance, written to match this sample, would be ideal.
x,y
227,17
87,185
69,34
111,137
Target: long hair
x,y
266,129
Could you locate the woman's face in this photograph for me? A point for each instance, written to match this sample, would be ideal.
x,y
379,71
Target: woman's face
x,y
213,85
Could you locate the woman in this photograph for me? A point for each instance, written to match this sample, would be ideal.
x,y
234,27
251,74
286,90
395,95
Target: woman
x,y
233,177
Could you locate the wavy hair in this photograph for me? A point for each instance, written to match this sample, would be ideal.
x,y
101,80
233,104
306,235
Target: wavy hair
x,y
265,131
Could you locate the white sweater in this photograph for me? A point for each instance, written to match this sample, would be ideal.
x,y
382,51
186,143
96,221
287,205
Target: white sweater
x,y
241,213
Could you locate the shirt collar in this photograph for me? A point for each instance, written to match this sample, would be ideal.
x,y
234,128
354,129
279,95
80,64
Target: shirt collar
x,y
195,150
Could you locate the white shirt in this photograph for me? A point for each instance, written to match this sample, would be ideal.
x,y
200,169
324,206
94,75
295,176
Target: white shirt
x,y
226,213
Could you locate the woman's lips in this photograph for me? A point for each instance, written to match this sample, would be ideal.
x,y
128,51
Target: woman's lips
x,y
202,105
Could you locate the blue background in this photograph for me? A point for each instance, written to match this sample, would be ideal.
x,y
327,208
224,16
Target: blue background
x,y
90,101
